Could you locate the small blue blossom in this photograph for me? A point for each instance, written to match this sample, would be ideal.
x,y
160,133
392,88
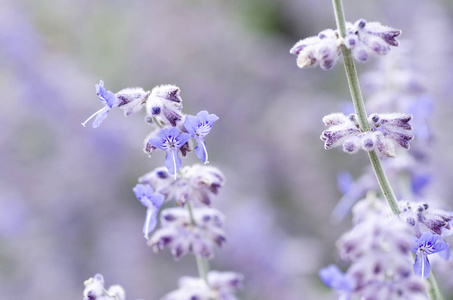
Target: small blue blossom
x,y
335,279
108,99
199,127
170,140
428,244
153,201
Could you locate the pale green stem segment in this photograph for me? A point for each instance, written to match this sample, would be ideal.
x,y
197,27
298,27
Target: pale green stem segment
x,y
354,87
202,264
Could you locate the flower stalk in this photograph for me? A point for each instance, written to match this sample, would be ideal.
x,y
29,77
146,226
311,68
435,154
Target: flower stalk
x,y
202,264
357,99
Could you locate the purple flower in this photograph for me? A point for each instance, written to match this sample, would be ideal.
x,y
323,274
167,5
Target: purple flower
x,y
387,130
95,290
170,140
426,245
108,99
366,38
199,127
152,201
335,279
130,100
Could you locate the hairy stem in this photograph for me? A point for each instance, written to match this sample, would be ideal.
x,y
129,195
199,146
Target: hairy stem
x,y
356,94
202,264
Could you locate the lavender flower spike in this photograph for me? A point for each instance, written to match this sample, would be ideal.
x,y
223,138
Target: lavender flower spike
x,y
199,127
152,201
428,244
170,140
108,99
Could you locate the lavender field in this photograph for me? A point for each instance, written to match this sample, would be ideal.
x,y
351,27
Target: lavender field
x,y
67,206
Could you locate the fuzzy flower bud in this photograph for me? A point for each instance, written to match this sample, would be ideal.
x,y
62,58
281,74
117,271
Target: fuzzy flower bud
x,y
165,105
387,130
95,290
182,235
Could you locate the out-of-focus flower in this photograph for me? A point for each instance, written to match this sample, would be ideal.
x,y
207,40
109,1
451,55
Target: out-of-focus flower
x,y
164,105
428,244
130,100
183,235
152,201
170,140
199,127
197,182
95,290
387,130
219,286
335,279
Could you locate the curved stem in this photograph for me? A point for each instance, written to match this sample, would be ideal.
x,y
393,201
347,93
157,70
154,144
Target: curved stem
x,y
354,87
202,264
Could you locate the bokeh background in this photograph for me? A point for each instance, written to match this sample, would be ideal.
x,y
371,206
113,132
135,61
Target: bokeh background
x,y
67,210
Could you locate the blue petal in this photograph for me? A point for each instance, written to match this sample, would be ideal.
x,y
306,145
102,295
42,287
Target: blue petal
x,y
200,150
191,125
332,277
172,161
151,220
182,139
101,116
158,142
422,267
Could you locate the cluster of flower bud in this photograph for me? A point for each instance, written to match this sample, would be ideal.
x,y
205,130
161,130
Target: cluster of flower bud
x,y
95,290
379,249
164,108
198,182
362,38
218,286
183,233
386,131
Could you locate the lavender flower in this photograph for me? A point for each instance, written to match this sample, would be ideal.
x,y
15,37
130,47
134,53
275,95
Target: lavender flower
x,y
332,277
94,290
165,105
130,100
152,201
170,140
362,38
219,286
195,182
199,127
386,131
428,244
366,38
108,99
183,236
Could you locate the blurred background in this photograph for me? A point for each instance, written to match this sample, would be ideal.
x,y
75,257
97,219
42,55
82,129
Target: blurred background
x,y
67,210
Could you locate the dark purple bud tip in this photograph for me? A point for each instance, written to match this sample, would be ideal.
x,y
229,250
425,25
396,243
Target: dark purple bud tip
x,y
349,147
410,221
425,206
368,144
155,110
327,64
362,55
351,42
162,174
361,23
374,118
169,217
321,35
353,118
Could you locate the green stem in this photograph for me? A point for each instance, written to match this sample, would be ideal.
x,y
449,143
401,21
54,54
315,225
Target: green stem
x,y
359,106
202,264
433,289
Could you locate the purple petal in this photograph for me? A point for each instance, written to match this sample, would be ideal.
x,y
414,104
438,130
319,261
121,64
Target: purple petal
x,y
332,277
422,267
101,116
151,220
172,161
191,124
201,152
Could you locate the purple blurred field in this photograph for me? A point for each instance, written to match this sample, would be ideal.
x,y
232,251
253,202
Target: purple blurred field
x,y
67,210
